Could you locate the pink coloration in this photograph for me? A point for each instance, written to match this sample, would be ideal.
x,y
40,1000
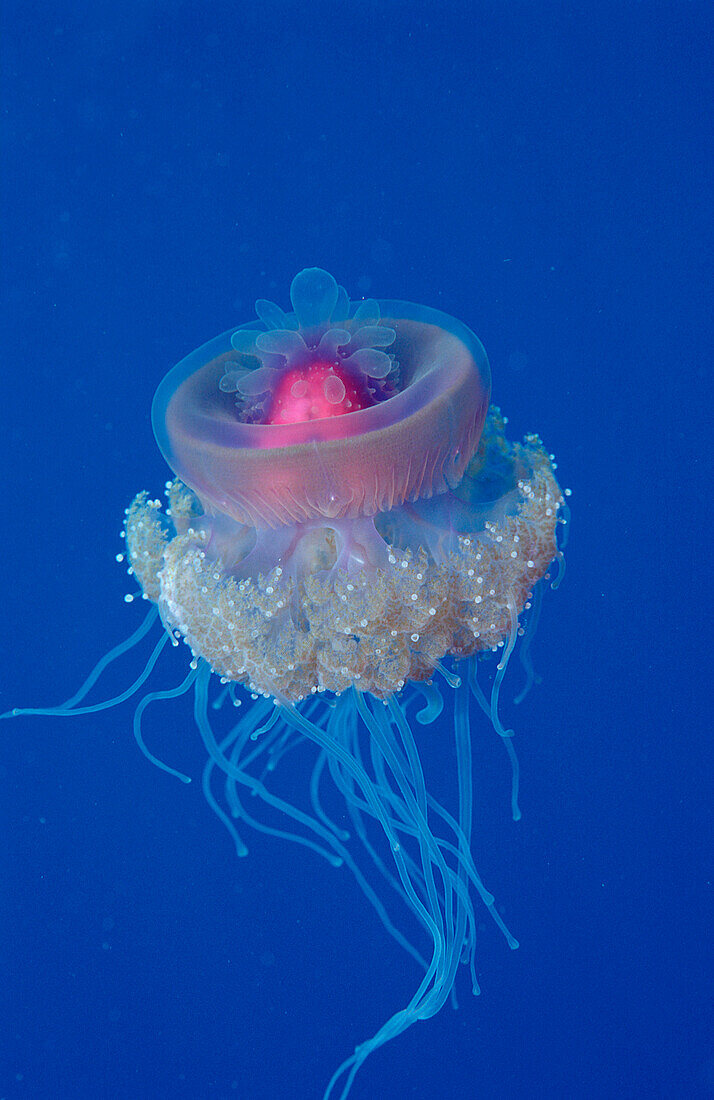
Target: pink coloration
x,y
313,393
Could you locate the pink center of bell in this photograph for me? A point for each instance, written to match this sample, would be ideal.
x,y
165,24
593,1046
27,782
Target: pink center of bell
x,y
313,393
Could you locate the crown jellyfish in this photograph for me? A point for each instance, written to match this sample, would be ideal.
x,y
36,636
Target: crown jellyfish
x,y
350,545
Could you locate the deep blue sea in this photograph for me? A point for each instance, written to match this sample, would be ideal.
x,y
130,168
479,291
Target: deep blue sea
x,y
541,171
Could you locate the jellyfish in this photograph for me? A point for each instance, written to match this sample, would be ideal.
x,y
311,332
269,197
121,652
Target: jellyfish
x,y
351,550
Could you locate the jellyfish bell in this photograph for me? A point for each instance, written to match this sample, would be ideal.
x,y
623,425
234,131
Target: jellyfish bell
x,y
348,531
333,412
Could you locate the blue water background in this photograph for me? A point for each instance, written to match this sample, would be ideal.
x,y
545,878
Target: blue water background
x,y
539,171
